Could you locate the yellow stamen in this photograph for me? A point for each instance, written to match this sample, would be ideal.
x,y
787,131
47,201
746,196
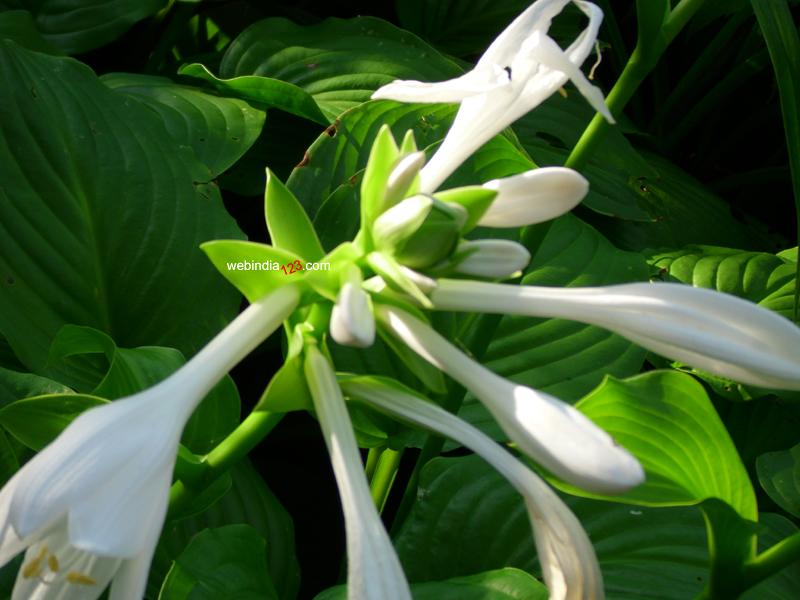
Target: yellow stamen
x,y
563,92
80,578
52,562
32,569
596,62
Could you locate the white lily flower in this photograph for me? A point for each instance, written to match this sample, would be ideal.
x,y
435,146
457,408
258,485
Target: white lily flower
x,y
520,69
553,433
717,332
373,569
90,506
533,197
569,564
496,259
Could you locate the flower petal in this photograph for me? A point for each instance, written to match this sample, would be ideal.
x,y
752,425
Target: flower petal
x,y
710,330
374,571
496,259
568,560
551,432
351,319
535,196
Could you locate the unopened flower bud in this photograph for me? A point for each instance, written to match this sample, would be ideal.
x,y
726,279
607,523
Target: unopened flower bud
x,y
496,259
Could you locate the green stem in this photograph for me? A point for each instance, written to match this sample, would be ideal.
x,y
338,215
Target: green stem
x,y
372,461
644,58
769,562
233,448
384,475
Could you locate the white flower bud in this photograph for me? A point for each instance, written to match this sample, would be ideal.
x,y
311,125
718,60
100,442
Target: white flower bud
x,y
496,259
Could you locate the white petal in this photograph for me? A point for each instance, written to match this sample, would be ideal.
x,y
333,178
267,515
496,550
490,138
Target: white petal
x,y
131,578
496,259
374,571
568,560
710,330
535,196
551,432
352,323
471,83
10,542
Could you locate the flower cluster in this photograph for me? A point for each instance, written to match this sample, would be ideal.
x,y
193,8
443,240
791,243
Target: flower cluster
x,y
90,506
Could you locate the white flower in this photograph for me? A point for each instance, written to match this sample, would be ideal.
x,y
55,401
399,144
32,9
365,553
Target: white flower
x,y
717,332
553,433
520,69
496,259
568,560
535,196
373,569
90,506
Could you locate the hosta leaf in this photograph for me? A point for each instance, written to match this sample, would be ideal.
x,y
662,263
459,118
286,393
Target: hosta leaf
x,y
784,584
219,130
563,358
460,27
779,474
107,215
467,520
37,421
225,562
667,421
15,386
502,584
766,279
18,25
76,26
249,501
261,91
335,162
338,62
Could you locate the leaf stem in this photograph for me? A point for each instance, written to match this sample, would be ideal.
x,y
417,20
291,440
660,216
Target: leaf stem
x,y
772,560
233,448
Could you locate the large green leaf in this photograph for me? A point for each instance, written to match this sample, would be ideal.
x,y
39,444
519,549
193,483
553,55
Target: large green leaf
x,y
122,372
334,162
467,520
784,584
18,25
107,214
667,421
15,386
766,279
460,27
76,26
642,200
219,130
779,474
563,358
226,562
339,62
502,584
249,501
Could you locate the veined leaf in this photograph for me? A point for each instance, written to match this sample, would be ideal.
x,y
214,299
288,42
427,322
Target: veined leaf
x,y
219,130
107,215
779,474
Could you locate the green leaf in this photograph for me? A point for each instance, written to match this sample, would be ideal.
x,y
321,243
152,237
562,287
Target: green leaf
x,y
75,26
334,161
783,43
766,279
18,25
785,583
560,357
16,386
338,62
219,130
287,390
37,421
779,474
502,584
667,421
460,27
467,519
265,92
226,562
125,371
475,199
255,269
249,501
287,222
105,231
9,461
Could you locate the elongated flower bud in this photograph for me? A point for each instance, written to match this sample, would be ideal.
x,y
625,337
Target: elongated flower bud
x,y
717,332
534,197
496,259
551,432
401,221
352,323
402,176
